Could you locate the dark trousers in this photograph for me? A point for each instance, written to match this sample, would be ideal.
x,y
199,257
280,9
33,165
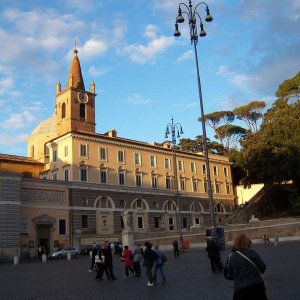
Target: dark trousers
x,y
149,273
100,271
254,291
176,252
110,272
126,271
137,268
92,263
216,264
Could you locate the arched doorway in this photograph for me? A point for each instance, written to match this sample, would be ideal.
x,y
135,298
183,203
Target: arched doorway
x,y
170,215
104,215
44,225
197,211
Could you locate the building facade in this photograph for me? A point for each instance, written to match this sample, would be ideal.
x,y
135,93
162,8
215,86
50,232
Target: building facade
x,y
89,178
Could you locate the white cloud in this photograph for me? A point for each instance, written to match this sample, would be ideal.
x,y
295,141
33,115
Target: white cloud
x,y
242,80
85,6
137,99
186,55
19,120
12,139
119,30
223,70
45,32
150,31
41,25
237,79
6,84
96,46
166,5
36,106
95,72
191,104
148,53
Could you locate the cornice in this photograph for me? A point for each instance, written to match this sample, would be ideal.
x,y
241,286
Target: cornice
x,y
143,146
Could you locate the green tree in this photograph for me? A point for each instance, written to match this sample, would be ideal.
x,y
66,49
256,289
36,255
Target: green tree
x,y
272,154
190,145
289,88
196,145
215,119
250,114
231,135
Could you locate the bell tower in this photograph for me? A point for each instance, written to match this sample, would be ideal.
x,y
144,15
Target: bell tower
x,y
75,107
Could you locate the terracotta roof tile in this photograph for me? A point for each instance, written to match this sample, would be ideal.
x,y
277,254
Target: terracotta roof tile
x,y
16,158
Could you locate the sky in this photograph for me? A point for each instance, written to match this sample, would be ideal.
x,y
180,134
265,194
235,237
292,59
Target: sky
x,y
144,76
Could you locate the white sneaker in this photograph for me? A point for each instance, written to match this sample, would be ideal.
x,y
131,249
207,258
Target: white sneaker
x,y
150,284
90,270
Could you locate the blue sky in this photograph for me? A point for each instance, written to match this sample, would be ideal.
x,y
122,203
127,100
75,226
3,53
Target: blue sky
x,y
143,75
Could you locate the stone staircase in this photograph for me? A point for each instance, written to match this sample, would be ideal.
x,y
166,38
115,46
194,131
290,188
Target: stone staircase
x,y
243,213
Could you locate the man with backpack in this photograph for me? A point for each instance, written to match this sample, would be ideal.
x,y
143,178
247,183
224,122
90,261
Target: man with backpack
x,y
159,264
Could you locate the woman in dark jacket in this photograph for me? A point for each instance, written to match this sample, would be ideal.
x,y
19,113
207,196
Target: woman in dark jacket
x,y
245,268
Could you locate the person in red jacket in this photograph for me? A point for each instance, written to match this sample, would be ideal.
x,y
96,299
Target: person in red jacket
x,y
128,261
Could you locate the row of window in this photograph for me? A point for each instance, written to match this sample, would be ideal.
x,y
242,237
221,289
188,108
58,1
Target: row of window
x,y
139,222
103,156
169,181
158,222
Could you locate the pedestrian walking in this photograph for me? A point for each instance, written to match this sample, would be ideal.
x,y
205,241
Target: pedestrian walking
x,y
100,261
128,261
137,257
149,258
213,253
94,253
176,249
245,267
108,268
159,265
112,247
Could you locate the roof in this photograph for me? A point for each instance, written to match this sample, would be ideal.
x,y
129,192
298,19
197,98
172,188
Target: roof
x,y
75,78
20,159
46,126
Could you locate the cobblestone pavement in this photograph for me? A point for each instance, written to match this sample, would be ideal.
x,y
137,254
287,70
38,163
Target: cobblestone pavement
x,y
189,277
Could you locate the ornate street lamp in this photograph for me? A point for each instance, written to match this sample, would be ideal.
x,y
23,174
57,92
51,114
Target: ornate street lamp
x,y
194,17
176,130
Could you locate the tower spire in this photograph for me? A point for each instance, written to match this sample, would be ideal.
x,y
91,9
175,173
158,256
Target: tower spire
x,y
75,78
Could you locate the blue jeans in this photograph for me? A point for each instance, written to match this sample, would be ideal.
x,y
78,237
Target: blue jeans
x,y
159,267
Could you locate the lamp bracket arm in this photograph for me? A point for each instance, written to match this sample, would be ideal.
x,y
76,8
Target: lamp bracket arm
x,y
183,5
200,4
196,14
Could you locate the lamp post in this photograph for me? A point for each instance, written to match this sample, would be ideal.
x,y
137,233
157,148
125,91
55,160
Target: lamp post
x,y
176,130
193,16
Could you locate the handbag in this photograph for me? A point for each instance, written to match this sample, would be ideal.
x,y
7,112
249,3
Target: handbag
x,y
261,275
227,275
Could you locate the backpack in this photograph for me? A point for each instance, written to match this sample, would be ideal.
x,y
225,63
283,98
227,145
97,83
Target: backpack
x,y
163,258
153,255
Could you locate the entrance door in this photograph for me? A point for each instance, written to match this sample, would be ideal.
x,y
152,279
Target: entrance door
x,y
43,233
171,223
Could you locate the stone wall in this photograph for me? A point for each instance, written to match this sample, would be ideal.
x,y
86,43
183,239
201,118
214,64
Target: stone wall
x,y
9,215
289,227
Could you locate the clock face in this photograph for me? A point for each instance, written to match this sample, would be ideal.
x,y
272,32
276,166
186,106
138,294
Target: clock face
x,y
82,97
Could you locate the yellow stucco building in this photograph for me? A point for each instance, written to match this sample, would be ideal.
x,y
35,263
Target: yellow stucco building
x,y
89,178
